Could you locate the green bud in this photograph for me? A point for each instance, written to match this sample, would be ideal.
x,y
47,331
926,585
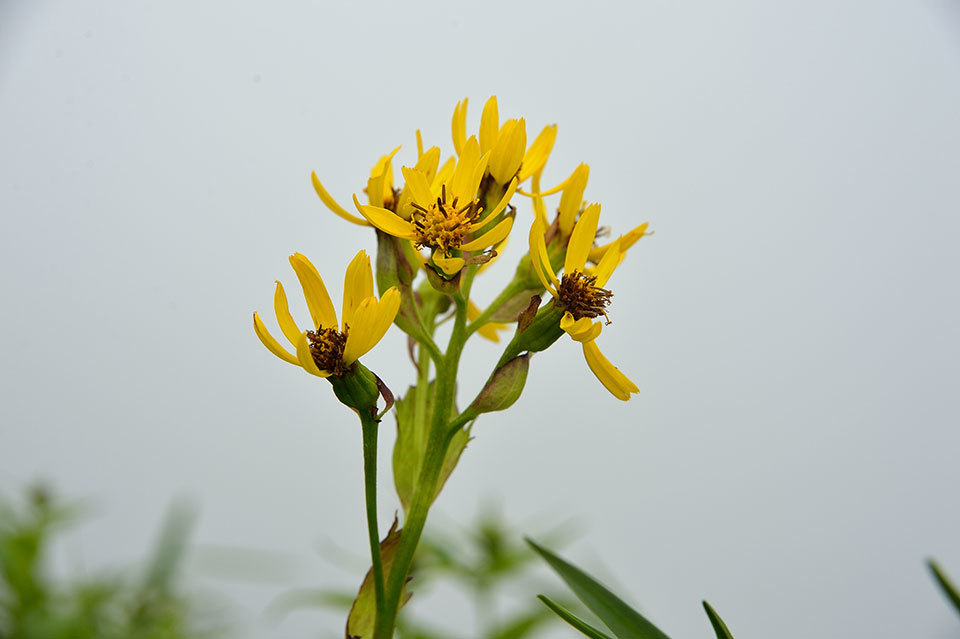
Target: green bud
x,y
358,388
505,386
440,283
541,332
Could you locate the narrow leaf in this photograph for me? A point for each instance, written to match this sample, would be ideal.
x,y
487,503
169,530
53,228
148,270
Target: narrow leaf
x,y
363,614
718,626
949,589
623,621
572,619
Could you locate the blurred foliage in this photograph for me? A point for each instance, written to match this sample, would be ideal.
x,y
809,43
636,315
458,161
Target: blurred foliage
x,y
36,605
950,590
621,620
487,561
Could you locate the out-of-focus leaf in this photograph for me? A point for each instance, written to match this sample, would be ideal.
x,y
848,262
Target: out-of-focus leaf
x,y
623,621
572,619
408,451
170,546
718,626
949,589
363,614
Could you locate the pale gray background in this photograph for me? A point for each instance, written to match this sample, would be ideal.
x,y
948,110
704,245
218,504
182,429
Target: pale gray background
x,y
793,324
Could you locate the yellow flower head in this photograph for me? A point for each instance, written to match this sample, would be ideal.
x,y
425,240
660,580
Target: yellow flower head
x,y
331,349
506,144
446,214
580,293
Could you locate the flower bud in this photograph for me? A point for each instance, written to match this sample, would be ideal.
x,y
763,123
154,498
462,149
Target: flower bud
x,y
505,386
394,264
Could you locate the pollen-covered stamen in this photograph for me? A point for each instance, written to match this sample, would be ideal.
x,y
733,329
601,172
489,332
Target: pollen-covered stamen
x,y
443,225
578,295
326,346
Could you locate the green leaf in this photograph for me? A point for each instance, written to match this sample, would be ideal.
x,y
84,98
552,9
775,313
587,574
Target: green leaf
x,y
949,589
363,614
572,619
623,621
413,422
718,626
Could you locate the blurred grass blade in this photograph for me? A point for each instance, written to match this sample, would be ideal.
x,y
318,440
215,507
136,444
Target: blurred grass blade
x,y
949,589
171,546
718,626
572,619
623,621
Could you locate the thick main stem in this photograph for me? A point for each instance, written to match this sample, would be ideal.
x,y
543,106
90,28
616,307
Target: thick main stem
x,y
370,428
438,441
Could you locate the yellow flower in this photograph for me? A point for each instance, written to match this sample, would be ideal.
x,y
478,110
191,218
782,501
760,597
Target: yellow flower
x,y
507,144
446,215
329,349
580,293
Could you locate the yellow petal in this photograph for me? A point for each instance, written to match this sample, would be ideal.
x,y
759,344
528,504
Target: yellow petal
x,y
305,358
459,125
499,249
626,240
282,309
449,265
419,146
536,192
539,257
581,240
502,204
381,179
318,300
357,286
491,237
332,204
469,172
609,375
581,330
419,186
607,264
536,156
360,331
386,220
427,163
489,125
539,208
572,198
508,153
444,174
272,345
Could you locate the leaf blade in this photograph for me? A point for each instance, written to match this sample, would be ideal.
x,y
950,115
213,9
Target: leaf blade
x,y
572,619
623,621
718,626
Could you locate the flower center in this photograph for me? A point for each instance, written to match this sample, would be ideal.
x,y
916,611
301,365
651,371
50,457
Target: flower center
x,y
326,346
443,224
577,295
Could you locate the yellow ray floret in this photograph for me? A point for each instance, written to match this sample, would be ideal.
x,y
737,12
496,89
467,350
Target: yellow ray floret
x,y
328,348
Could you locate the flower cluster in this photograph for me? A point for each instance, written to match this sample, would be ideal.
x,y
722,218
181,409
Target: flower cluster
x,y
455,216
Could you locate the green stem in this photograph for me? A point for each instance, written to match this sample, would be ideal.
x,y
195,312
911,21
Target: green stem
x,y
438,441
370,428
512,289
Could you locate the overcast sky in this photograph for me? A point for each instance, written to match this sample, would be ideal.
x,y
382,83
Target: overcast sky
x,y
793,324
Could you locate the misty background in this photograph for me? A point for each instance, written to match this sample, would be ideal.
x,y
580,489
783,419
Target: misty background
x,y
793,324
